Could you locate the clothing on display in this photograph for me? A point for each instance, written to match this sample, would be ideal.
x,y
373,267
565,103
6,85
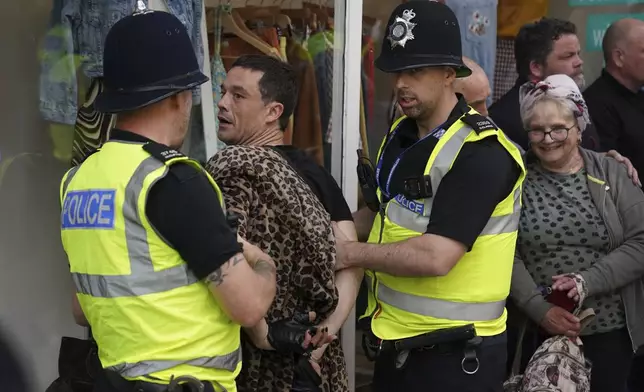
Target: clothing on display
x,y
303,37
217,70
92,128
513,14
77,30
73,43
505,72
477,20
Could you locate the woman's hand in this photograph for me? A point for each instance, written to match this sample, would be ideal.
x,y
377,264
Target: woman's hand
x,y
574,284
632,173
559,321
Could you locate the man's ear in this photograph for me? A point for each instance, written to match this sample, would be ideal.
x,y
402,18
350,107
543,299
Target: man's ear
x,y
178,101
618,57
274,112
536,70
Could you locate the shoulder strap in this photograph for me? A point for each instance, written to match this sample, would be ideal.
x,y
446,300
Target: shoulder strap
x,y
163,153
170,156
479,123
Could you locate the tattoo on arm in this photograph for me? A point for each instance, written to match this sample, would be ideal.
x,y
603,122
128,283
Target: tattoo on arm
x,y
264,268
217,277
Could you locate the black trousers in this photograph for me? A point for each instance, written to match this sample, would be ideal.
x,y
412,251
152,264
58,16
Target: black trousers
x,y
636,381
612,355
440,369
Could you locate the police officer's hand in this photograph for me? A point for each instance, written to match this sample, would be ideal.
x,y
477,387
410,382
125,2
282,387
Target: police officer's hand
x,y
298,335
559,321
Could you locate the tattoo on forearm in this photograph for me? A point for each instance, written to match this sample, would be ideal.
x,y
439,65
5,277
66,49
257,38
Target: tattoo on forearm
x,y
217,277
238,258
264,268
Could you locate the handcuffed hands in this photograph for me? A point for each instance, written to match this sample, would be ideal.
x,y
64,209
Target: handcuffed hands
x,y
298,335
574,284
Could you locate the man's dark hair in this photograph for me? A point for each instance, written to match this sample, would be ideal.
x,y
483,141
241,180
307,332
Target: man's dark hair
x,y
278,82
534,42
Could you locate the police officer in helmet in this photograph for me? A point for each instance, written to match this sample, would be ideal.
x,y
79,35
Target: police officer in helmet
x,y
441,241
159,274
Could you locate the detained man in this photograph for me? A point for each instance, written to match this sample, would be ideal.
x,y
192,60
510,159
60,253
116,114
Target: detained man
x,y
286,203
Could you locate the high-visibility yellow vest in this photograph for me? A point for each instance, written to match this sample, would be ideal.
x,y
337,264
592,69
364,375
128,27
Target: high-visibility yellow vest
x,y
474,291
151,317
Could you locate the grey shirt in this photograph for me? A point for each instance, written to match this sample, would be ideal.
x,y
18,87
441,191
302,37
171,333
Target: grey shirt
x,y
561,231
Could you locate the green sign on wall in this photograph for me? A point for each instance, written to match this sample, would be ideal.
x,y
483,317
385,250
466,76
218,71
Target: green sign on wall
x,y
597,24
583,3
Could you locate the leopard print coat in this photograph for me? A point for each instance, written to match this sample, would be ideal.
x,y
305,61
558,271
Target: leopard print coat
x,y
280,214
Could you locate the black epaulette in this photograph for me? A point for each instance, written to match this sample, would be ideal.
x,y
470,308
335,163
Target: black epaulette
x,y
479,123
182,172
162,152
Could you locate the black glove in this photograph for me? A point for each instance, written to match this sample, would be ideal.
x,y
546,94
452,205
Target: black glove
x,y
287,336
306,379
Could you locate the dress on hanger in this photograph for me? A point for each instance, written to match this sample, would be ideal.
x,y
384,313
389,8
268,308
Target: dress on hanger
x,y
307,127
320,46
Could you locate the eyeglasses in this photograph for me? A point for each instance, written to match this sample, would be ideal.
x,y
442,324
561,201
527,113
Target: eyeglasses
x,y
557,133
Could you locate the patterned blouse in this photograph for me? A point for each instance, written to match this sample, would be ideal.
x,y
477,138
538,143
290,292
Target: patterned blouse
x,y
280,214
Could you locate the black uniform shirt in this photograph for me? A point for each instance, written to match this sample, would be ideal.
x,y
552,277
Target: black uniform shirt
x,y
321,182
185,211
483,174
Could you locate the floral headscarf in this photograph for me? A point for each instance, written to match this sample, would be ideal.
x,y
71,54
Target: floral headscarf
x,y
560,87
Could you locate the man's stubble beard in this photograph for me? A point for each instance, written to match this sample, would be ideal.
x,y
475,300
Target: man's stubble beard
x,y
580,80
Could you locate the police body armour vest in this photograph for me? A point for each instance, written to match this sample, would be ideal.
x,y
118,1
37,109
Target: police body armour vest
x,y
474,291
150,316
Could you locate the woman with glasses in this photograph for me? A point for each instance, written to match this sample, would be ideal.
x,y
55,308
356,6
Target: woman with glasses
x,y
581,233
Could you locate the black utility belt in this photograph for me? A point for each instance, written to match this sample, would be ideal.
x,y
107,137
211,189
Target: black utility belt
x,y
442,338
463,339
179,384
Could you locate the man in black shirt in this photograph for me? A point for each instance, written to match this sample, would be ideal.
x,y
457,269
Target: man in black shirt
x,y
616,104
615,99
445,172
547,47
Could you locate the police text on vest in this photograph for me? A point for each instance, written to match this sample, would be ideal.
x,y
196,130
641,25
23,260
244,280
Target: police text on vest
x,y
411,205
89,209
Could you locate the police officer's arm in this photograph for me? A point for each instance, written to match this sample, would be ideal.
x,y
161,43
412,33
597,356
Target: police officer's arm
x,y
184,209
482,175
245,285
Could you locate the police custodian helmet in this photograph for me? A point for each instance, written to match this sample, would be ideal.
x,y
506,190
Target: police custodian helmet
x,y
148,57
422,33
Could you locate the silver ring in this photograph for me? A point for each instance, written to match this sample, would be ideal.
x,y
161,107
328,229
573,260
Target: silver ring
x,y
478,365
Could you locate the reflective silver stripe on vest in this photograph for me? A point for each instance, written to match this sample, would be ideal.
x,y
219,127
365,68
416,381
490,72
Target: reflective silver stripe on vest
x,y
131,370
143,279
417,222
438,308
